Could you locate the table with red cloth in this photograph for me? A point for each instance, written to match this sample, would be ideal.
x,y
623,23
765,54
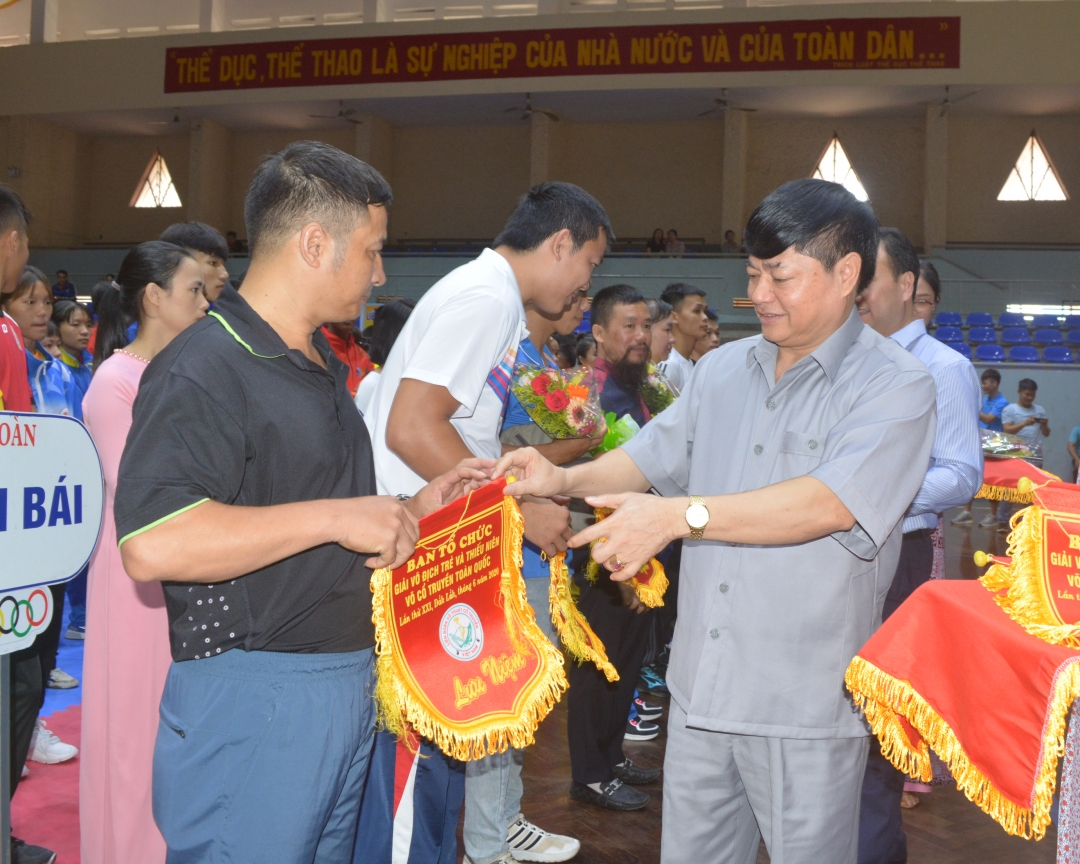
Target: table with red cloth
x,y
952,672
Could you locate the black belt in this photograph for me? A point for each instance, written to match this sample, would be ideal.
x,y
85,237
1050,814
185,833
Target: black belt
x,y
920,534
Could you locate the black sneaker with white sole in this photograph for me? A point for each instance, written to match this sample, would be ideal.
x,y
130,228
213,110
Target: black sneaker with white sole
x,y
24,853
635,775
647,710
613,795
639,729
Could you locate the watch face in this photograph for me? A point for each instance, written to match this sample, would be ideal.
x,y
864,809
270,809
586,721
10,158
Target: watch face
x,y
697,516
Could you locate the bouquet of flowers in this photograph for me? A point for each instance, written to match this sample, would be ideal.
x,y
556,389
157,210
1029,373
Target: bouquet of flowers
x,y
619,431
1005,446
657,391
563,404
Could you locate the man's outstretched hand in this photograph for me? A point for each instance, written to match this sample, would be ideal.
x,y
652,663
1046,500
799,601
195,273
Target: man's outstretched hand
x,y
640,527
532,473
463,478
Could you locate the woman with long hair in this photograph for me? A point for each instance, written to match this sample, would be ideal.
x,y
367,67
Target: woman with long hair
x,y
159,287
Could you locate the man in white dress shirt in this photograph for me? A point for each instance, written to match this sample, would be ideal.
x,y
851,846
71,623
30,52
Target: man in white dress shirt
x,y
955,474
688,303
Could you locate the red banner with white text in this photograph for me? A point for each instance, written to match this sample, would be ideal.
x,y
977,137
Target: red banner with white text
x,y
747,46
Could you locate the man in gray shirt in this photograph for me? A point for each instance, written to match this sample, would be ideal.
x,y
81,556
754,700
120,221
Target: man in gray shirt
x,y
791,519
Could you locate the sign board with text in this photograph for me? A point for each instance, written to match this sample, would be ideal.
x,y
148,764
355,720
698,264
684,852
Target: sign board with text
x,y
52,499
744,46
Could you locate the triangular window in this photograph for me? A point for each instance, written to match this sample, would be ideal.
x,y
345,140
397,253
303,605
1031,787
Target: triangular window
x,y
1033,177
835,166
156,188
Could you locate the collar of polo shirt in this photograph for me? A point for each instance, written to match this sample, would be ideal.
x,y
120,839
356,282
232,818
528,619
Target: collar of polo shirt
x,y
828,355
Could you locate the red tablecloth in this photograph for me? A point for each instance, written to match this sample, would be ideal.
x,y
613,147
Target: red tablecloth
x,y
952,670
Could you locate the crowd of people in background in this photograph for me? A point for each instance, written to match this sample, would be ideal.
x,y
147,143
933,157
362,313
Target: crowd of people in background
x,y
61,356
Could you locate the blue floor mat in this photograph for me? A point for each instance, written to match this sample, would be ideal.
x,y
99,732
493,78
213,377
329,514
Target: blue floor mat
x,y
70,659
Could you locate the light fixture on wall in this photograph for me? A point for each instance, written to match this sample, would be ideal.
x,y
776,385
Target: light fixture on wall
x,y
835,166
1033,177
156,187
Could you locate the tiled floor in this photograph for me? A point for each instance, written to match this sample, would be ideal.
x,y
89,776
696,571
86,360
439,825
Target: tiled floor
x,y
944,829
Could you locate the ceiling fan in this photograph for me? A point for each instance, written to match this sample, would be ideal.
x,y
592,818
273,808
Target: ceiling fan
x,y
343,113
948,102
722,104
528,111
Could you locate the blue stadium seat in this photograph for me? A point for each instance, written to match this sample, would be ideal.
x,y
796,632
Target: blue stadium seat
x,y
1046,321
1046,336
1072,321
1073,337
948,319
1057,354
982,319
982,335
1011,319
1024,354
990,353
964,348
950,334
1015,336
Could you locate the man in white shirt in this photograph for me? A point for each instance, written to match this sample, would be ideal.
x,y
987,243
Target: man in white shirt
x,y
688,301
955,474
442,396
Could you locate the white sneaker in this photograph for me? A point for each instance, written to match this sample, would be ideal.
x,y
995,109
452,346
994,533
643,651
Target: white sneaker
x,y
25,772
988,521
529,843
60,680
46,748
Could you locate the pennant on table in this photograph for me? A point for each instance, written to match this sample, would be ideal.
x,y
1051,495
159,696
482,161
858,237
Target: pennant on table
x,y
574,631
1011,480
460,657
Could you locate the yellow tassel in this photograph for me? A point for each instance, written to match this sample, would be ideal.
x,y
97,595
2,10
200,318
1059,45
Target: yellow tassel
x,y
398,707
574,631
1005,493
881,697
1025,599
652,593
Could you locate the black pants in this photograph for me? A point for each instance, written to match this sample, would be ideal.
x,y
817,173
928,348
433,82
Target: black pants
x,y
47,643
881,833
597,711
25,698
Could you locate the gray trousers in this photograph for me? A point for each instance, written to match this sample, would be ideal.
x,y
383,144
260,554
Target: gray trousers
x,y
724,792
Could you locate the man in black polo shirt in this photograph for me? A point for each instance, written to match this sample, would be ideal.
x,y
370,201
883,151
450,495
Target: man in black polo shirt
x,y
247,488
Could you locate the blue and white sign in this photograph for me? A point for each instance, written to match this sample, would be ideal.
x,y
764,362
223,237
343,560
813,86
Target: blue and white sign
x,y
52,500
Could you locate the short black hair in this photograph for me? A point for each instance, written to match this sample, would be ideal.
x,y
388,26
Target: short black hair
x,y
585,342
567,354
902,255
548,208
197,237
711,314
605,301
310,181
818,218
658,310
13,213
676,292
58,272
386,325
1027,384
928,272
64,309
992,374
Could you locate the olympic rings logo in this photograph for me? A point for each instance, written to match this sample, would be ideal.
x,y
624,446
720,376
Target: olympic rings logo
x,y
14,613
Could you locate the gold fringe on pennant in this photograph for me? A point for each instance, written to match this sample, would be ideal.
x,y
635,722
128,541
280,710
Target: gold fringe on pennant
x,y
399,708
1025,599
1005,493
881,697
651,593
574,631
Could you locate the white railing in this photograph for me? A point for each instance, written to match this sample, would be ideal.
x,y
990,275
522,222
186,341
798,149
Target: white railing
x,y
66,20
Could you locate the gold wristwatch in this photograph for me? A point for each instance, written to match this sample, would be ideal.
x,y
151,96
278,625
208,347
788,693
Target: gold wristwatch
x,y
697,517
